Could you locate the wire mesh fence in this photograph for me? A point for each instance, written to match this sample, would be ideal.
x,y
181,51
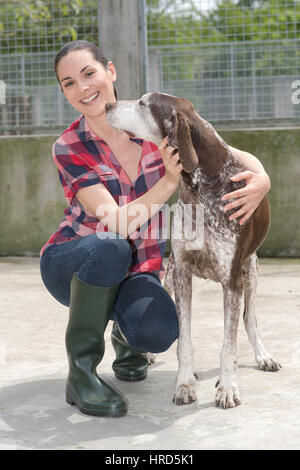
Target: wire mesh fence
x,y
31,32
225,82
234,59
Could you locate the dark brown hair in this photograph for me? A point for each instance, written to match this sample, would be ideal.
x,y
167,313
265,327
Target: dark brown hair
x,y
77,46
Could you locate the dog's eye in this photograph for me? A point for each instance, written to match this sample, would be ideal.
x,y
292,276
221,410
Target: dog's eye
x,y
141,103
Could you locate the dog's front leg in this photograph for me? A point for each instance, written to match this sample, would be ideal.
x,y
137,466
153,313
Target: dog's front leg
x,y
263,358
185,391
227,395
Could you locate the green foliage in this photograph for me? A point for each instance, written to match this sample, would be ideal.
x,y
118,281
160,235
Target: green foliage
x,y
230,21
29,26
40,26
234,25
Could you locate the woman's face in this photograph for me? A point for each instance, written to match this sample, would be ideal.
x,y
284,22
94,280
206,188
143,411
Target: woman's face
x,y
86,84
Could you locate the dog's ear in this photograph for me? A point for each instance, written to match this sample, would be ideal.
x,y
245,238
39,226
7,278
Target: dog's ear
x,y
171,128
179,136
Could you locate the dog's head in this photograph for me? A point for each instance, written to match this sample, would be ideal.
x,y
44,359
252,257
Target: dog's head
x,y
155,116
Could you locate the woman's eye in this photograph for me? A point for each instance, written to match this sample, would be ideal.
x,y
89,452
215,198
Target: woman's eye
x,y
68,84
89,74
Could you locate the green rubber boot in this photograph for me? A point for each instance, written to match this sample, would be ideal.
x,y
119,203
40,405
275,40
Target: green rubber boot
x,y
130,365
90,307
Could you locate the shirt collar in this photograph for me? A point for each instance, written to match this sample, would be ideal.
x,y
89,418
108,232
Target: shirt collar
x,y
85,132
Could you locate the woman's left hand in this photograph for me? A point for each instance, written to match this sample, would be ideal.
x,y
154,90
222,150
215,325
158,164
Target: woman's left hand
x,y
248,198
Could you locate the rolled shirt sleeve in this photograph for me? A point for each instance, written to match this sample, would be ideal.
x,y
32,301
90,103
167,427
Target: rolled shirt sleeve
x,y
74,171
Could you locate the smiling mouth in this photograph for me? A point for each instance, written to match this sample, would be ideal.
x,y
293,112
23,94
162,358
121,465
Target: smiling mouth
x,y
90,99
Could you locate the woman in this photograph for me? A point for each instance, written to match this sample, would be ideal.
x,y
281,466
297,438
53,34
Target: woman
x,y
102,262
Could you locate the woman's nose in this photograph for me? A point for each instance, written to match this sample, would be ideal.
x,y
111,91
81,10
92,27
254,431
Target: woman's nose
x,y
83,87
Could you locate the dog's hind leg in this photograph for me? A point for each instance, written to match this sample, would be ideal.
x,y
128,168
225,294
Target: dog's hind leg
x,y
263,358
185,391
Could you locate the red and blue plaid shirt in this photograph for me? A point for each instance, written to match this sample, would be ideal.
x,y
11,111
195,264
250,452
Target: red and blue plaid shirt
x,y
83,159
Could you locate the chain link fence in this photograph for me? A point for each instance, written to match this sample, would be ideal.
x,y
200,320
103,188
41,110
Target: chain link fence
x,y
236,60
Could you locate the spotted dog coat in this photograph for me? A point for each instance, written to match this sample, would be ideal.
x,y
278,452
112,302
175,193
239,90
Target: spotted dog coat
x,y
226,253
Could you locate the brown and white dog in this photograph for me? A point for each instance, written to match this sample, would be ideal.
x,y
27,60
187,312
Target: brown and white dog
x,y
226,253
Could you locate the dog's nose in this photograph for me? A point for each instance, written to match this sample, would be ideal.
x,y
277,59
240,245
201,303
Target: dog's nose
x,y
108,106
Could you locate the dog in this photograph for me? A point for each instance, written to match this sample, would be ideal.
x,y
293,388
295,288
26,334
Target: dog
x,y
227,252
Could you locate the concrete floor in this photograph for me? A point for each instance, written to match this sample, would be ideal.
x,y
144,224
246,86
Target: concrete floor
x,y
33,367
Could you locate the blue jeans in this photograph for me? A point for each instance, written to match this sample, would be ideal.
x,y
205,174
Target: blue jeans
x,y
143,309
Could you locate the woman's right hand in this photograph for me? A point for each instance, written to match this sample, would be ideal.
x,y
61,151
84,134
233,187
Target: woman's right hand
x,y
171,161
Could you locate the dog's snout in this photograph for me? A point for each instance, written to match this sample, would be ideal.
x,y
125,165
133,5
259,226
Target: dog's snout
x,y
109,106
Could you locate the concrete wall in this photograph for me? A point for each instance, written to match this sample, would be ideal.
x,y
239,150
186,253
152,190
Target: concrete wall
x,y
31,197
32,202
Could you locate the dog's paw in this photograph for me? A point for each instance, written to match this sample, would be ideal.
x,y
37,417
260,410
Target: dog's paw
x,y
150,358
227,397
185,394
268,364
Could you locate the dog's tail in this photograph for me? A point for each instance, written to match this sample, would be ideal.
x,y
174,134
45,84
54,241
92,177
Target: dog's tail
x,y
168,282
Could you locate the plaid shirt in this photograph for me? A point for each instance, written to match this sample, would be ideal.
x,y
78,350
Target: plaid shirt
x,y
83,159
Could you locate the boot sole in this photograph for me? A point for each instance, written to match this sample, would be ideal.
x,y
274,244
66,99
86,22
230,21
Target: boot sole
x,y
130,379
85,411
